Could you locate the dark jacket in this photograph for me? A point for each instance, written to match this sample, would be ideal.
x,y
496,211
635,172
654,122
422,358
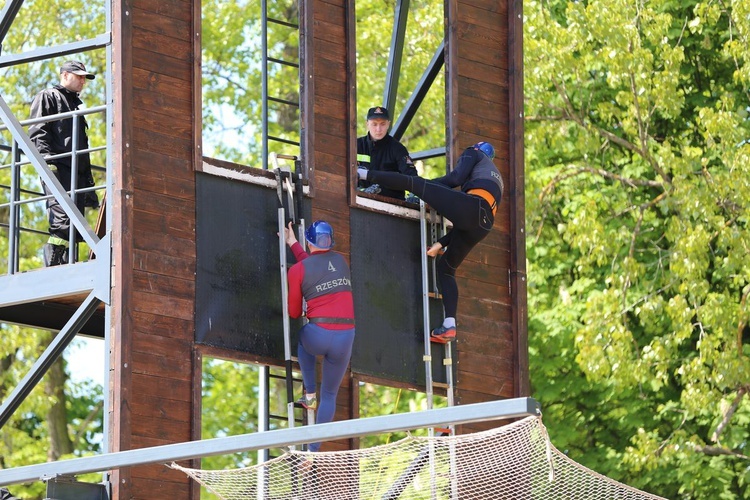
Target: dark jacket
x,y
56,137
474,170
52,138
387,155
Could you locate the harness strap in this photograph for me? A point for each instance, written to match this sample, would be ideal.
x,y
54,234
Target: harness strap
x,y
484,194
337,321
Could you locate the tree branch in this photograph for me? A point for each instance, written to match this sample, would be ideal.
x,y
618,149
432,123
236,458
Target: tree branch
x,y
715,451
89,418
728,414
642,151
576,170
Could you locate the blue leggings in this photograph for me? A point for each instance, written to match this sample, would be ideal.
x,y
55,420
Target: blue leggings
x,y
471,216
336,348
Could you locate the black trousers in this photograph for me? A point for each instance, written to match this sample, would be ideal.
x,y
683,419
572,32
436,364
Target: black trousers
x,y
472,220
59,222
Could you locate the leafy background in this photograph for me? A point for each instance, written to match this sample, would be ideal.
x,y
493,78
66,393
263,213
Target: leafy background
x,y
636,171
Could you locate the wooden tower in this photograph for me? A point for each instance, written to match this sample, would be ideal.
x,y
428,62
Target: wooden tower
x,y
168,250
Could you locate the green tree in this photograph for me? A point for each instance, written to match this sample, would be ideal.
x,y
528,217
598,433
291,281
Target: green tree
x,y
232,75
58,419
637,180
424,33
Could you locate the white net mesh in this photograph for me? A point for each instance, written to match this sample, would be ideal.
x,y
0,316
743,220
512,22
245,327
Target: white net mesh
x,y
516,461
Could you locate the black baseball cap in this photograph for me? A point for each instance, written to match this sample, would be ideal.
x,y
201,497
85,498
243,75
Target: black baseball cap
x,y
77,68
378,112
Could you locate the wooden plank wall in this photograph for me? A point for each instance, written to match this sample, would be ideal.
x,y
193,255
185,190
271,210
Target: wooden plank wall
x,y
157,103
154,239
478,104
327,114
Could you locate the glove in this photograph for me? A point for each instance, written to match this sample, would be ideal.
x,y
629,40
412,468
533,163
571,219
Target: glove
x,y
362,173
90,198
374,189
412,198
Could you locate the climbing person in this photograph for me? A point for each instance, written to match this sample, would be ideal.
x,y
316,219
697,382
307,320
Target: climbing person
x,y
323,279
471,209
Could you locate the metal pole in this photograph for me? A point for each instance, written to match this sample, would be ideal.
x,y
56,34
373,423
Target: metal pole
x,y
13,237
331,431
425,305
264,83
49,356
285,319
72,253
263,411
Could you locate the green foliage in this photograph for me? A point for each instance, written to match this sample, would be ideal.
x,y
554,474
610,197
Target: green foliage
x,y
424,33
637,174
376,400
24,439
40,24
229,407
232,76
232,79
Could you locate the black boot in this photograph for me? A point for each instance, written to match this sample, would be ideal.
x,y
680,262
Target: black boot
x,y
54,255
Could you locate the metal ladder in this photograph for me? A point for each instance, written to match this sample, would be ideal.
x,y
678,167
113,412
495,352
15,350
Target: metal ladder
x,y
280,26
290,209
432,227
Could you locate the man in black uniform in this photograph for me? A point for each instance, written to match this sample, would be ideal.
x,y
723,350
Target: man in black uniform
x,y
56,137
379,151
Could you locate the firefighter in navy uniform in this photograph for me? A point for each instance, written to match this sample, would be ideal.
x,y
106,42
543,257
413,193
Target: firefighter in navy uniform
x,y
471,209
379,151
323,279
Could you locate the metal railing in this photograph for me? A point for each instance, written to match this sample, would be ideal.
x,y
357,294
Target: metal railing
x,y
20,196
464,414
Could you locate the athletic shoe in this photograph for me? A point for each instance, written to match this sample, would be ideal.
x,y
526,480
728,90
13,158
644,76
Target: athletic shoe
x,y
443,335
308,403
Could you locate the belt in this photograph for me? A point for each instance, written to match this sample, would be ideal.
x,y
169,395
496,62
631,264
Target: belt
x,y
484,194
332,321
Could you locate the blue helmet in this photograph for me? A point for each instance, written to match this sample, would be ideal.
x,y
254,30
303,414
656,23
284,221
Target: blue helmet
x,y
320,234
486,148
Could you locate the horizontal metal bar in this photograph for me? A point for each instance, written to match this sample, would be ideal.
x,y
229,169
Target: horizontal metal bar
x,y
98,42
283,101
285,141
20,191
463,414
58,156
59,281
428,153
283,23
59,116
43,197
282,62
24,229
